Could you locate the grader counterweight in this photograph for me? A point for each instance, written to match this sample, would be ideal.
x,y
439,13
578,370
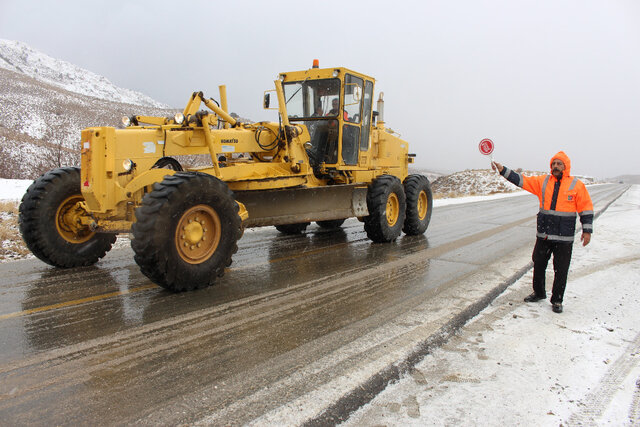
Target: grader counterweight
x,y
329,157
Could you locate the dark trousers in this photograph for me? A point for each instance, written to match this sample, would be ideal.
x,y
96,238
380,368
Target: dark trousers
x,y
561,258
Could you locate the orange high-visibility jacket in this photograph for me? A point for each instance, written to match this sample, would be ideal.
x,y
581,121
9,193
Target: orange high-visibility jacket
x,y
560,201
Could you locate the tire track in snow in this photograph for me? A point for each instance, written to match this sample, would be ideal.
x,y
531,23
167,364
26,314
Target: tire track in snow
x,y
596,402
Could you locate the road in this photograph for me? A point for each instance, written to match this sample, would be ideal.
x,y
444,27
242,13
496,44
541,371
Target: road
x,y
279,336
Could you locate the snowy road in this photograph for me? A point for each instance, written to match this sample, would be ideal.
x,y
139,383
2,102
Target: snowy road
x,y
296,323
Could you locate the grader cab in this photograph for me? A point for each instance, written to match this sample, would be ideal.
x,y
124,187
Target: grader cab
x,y
328,158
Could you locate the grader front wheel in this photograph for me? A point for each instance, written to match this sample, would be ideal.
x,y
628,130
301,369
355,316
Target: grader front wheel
x,y
50,226
186,231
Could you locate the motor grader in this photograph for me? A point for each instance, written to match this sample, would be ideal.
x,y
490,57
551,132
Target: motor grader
x,y
328,158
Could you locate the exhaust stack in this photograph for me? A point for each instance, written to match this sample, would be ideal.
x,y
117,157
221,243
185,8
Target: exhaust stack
x,y
381,108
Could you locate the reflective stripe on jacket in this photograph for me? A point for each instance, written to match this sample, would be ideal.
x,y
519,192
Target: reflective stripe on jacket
x,y
560,201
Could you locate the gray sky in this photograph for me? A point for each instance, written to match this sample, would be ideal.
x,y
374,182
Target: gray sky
x,y
534,76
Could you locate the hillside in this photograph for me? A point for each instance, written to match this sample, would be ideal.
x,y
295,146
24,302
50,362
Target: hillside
x,y
45,103
20,58
480,182
40,123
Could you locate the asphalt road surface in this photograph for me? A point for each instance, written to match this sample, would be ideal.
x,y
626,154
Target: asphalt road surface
x,y
103,344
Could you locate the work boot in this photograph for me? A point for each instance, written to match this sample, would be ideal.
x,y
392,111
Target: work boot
x,y
534,298
557,307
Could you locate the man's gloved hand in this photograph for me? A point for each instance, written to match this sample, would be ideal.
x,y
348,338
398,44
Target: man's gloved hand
x,y
497,166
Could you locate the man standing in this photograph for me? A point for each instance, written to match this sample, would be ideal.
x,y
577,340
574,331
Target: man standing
x,y
562,198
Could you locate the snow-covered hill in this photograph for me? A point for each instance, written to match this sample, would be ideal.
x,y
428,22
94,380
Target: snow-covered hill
x,y
19,57
44,105
40,123
481,182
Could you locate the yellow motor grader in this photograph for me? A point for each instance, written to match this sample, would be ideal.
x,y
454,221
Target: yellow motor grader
x,y
329,157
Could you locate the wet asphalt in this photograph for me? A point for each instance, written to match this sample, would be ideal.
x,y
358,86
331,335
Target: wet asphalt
x,y
104,344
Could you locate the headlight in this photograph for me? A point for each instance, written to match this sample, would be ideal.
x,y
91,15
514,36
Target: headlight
x,y
128,165
178,118
126,122
335,73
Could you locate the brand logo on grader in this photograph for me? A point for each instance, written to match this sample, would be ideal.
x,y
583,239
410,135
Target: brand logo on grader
x,y
149,147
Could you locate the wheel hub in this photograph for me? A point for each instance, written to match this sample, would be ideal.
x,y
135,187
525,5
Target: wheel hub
x,y
393,209
423,205
68,221
198,234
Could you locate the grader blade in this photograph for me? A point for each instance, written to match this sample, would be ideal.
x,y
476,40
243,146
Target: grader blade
x,y
296,205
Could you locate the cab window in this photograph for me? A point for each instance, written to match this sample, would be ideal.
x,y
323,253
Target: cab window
x,y
366,115
313,98
352,98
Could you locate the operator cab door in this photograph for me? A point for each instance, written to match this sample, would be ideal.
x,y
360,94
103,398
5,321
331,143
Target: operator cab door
x,y
352,116
367,105
358,101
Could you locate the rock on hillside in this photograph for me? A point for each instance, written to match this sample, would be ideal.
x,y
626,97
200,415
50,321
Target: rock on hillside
x,y
20,58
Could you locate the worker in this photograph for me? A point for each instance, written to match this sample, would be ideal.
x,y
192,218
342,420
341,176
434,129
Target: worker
x,y
562,198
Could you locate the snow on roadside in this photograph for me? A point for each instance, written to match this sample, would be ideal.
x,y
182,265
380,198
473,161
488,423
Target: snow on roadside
x,y
522,364
13,189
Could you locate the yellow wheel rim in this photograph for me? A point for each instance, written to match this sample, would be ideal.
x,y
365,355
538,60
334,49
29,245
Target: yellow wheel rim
x,y
393,209
422,205
68,221
198,234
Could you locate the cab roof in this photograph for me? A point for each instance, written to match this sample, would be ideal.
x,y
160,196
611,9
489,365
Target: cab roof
x,y
322,73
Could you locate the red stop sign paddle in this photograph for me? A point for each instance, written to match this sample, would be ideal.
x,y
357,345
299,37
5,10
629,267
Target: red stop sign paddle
x,y
486,146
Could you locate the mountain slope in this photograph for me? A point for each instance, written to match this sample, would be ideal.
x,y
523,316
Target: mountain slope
x,y
40,123
20,58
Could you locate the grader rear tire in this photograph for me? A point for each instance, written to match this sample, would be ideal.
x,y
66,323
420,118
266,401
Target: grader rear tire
x,y
331,224
48,222
419,204
186,231
387,206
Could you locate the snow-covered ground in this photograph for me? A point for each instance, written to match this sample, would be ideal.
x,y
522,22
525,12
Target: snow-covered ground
x,y
521,364
13,189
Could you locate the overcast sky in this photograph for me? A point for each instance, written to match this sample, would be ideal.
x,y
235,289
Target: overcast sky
x,y
534,76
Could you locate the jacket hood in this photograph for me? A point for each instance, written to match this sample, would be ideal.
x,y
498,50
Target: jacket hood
x,y
560,155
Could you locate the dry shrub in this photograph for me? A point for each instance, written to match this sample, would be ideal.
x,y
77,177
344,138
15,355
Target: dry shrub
x,y
11,243
10,207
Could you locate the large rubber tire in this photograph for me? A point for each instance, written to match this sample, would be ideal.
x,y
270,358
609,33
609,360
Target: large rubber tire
x,y
330,224
387,206
292,228
186,231
47,222
419,204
